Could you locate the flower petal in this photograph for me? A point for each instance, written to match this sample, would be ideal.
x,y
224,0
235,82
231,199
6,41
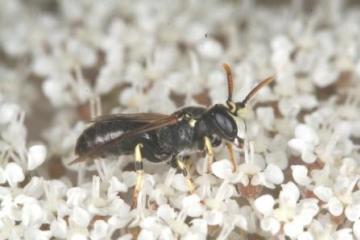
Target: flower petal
x,y
270,224
166,212
293,229
335,207
58,228
299,173
179,183
192,205
264,204
323,193
356,229
14,174
100,230
36,156
273,174
289,194
80,217
222,169
352,212
307,134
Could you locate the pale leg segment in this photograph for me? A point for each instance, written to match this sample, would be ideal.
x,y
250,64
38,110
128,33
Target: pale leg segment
x,y
209,152
231,156
140,173
185,171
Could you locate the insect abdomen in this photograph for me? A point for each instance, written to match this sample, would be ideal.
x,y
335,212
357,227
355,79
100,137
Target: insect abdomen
x,y
99,134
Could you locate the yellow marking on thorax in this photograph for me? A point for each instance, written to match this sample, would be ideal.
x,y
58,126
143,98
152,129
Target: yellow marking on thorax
x,y
192,122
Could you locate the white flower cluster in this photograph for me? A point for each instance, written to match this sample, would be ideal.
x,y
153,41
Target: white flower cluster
x,y
297,176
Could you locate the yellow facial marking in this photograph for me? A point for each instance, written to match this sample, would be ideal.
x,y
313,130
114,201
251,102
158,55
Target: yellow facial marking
x,y
242,112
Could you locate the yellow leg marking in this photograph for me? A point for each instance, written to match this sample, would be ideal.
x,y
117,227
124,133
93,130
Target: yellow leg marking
x,y
210,153
140,173
231,156
185,171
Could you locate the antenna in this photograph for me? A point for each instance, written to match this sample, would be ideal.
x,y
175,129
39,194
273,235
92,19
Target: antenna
x,y
263,83
230,81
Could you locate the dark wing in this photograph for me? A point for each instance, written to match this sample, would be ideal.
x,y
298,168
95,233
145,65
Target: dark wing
x,y
100,149
133,117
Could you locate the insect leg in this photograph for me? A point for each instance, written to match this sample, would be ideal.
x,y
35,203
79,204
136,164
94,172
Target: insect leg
x,y
139,171
210,152
231,156
185,171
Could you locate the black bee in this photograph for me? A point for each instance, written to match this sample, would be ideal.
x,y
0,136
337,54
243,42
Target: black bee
x,y
159,137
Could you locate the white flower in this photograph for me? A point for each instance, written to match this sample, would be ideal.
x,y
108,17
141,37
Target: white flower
x,y
115,187
179,183
270,224
210,49
266,117
293,228
79,236
2,175
153,228
56,91
305,236
126,237
14,174
282,48
146,234
76,196
200,226
36,156
293,214
166,212
277,158
120,212
340,197
289,107
323,193
195,31
213,217
107,79
35,187
356,229
8,112
264,204
299,173
305,142
193,206
273,174
44,65
335,206
35,233
222,169
100,230
32,213
324,75
81,53
58,228
307,102
344,233
15,135
80,217
174,221
352,212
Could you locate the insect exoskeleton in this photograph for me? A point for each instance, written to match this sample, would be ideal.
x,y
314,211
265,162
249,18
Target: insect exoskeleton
x,y
162,137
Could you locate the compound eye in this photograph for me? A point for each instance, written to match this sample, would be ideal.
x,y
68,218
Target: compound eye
x,y
226,125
